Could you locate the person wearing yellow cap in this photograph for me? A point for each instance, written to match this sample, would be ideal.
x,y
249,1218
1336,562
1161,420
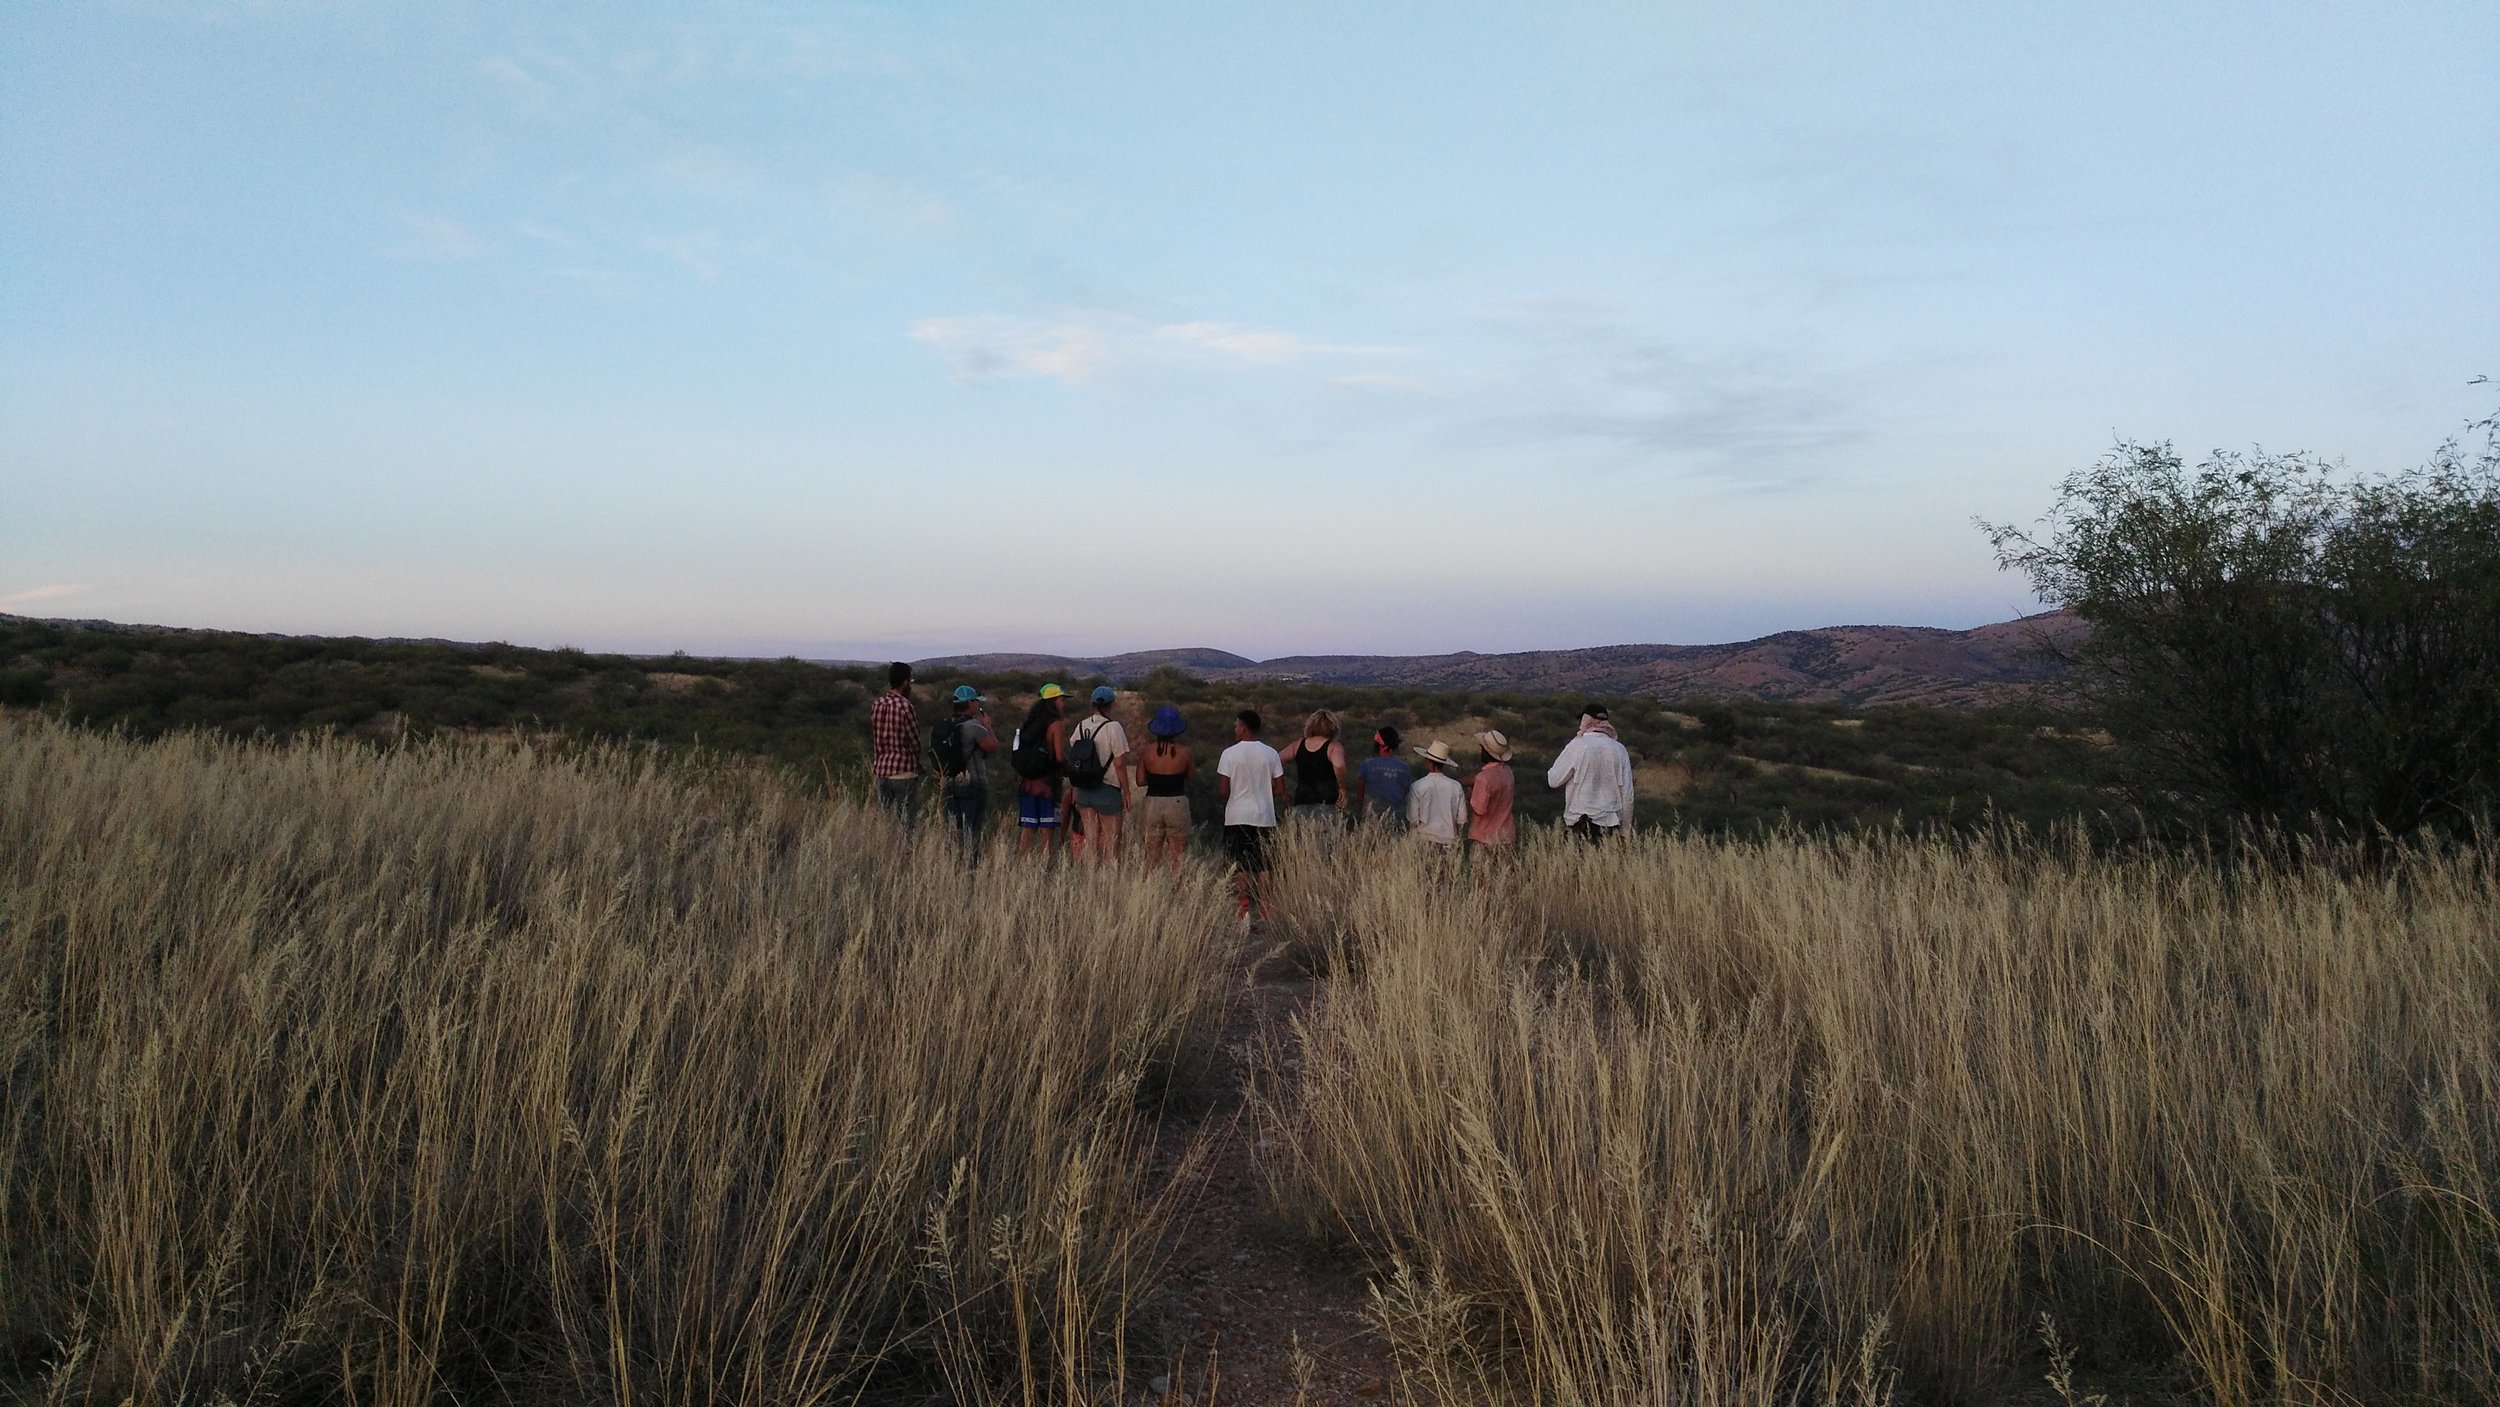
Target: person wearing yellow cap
x,y
1040,757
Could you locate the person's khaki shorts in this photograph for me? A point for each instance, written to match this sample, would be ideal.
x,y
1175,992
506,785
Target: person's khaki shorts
x,y
1165,816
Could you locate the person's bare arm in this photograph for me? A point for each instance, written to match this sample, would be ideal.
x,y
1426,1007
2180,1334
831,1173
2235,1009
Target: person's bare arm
x,y
1336,759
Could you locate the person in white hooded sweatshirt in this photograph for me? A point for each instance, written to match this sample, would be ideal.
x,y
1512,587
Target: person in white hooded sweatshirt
x,y
1595,775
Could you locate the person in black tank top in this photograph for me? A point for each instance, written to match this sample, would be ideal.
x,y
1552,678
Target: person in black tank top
x,y
1168,764
1314,781
1318,769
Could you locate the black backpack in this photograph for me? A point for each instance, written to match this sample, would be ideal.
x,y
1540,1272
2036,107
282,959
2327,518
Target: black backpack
x,y
946,743
1031,754
1086,766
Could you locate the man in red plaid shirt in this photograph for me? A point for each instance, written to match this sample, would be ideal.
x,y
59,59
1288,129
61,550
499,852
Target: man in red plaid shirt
x,y
894,746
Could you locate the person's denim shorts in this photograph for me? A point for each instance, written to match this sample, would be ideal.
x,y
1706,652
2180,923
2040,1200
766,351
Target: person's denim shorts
x,y
1105,799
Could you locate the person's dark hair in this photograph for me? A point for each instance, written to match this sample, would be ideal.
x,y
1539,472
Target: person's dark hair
x,y
1249,719
1596,711
897,675
1388,738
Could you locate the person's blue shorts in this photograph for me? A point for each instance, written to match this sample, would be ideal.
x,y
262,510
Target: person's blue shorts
x,y
1105,799
1034,810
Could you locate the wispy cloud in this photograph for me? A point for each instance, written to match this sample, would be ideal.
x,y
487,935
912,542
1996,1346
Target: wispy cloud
x,y
988,348
431,239
43,593
697,254
1588,384
1752,416
1075,350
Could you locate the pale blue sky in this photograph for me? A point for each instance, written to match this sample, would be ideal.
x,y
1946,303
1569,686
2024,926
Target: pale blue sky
x,y
868,330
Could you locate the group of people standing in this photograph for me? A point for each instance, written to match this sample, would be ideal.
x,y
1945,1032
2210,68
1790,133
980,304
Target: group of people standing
x,y
1076,778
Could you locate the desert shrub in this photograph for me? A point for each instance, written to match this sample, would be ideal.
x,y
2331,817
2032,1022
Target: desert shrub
x,y
1706,1122
2282,644
477,1073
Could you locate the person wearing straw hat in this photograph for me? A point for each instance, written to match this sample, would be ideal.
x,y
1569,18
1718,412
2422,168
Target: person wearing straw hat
x,y
1491,833
1436,805
1040,757
1165,764
963,744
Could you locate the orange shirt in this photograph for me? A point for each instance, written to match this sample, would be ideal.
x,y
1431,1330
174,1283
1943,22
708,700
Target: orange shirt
x,y
1490,799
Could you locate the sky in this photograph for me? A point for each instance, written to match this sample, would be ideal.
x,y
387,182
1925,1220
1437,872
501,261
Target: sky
x,y
856,331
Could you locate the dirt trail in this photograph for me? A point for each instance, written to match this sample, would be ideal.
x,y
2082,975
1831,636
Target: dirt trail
x,y
1244,1293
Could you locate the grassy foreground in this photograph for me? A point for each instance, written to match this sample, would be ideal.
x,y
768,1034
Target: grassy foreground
x,y
471,1073
459,1072
1826,1120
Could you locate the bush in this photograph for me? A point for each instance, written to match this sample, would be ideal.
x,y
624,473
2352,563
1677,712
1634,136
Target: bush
x,y
2273,643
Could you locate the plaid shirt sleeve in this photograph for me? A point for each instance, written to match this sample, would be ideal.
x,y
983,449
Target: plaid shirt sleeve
x,y
893,737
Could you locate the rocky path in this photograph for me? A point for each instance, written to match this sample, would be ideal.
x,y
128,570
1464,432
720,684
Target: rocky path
x,y
1260,1317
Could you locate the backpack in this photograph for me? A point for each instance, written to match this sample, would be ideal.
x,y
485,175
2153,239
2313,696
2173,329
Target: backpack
x,y
1086,767
946,743
1031,754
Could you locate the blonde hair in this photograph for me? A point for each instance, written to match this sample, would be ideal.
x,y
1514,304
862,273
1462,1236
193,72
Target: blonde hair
x,y
1321,724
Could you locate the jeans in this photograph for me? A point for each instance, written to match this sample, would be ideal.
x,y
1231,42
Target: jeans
x,y
968,810
1595,834
900,795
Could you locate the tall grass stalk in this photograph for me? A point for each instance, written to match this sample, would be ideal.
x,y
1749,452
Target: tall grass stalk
x,y
484,1073
1691,1121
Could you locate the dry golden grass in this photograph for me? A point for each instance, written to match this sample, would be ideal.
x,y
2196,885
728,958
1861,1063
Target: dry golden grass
x,y
473,1073
1817,1121
476,1073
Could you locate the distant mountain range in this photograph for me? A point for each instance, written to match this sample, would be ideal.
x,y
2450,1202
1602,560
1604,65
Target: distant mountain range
x,y
1859,665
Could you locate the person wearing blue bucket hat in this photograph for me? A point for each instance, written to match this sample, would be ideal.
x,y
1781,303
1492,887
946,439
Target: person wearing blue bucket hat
x,y
1166,764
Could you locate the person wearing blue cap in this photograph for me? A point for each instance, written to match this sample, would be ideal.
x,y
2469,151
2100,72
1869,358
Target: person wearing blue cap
x,y
1165,764
963,744
1098,764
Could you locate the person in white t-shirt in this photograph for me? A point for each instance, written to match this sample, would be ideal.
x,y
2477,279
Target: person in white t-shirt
x,y
1100,804
1249,781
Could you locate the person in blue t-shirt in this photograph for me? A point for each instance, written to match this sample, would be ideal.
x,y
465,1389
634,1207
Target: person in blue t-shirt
x,y
1381,780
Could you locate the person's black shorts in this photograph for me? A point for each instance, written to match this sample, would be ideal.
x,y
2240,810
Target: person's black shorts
x,y
1246,847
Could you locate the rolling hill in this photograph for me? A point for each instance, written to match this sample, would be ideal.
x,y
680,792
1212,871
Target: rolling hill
x,y
1859,665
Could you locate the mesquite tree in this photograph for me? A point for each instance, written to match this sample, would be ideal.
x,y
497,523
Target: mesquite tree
x,y
2273,640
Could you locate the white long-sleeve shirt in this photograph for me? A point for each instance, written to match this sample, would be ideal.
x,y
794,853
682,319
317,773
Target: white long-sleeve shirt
x,y
1595,774
1436,806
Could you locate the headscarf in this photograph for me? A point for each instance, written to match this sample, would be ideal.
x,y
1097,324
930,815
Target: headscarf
x,y
1590,725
